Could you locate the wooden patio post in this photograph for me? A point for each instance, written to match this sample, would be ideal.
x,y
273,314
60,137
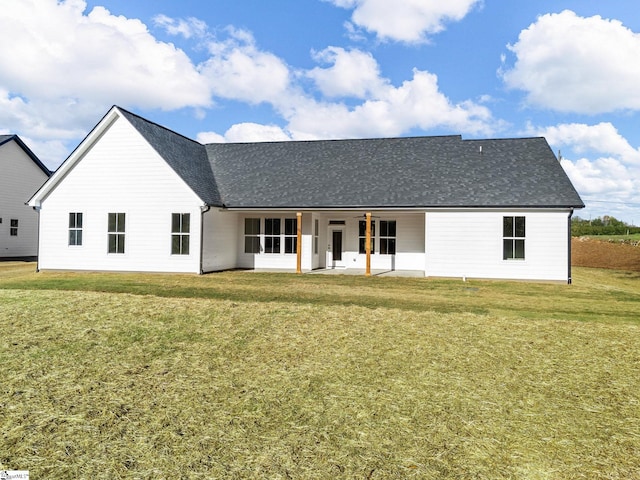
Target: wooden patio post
x,y
299,243
367,244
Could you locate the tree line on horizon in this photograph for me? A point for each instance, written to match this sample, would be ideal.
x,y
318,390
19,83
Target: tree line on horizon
x,y
605,225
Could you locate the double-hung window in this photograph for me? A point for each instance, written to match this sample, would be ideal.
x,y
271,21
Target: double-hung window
x,y
272,235
316,236
513,233
116,232
362,236
251,235
75,229
388,237
290,235
180,231
13,227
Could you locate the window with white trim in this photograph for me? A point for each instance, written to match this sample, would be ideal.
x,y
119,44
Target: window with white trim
x,y
180,233
387,237
290,235
316,236
362,236
13,227
75,229
271,235
513,236
251,235
116,232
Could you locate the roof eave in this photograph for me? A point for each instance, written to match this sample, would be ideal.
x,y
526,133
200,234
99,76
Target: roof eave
x,y
396,207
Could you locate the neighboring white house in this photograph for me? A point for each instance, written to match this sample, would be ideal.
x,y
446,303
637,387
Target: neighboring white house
x,y
135,196
21,174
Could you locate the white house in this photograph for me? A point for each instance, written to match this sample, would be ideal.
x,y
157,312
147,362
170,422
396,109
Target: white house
x,y
135,196
21,174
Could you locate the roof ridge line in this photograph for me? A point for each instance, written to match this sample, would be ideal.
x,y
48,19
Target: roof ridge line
x,y
318,140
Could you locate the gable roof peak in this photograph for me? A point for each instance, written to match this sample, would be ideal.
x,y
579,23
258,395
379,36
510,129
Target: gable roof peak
x,y
129,115
12,136
185,156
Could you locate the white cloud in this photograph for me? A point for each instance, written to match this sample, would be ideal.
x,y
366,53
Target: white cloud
x,y
392,111
238,70
66,67
354,73
405,20
97,57
246,132
602,138
45,123
188,28
384,111
210,137
603,166
381,109
573,64
63,67
607,177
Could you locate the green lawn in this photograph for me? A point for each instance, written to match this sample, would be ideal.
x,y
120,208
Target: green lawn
x,y
249,375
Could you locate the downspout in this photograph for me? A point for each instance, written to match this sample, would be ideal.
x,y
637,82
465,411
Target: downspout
x,y
37,209
203,209
569,247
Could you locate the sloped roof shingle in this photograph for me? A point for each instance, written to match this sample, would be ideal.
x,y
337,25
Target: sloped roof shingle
x,y
392,172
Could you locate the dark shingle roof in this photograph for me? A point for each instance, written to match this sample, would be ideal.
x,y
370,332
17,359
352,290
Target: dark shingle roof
x,y
444,171
392,172
6,138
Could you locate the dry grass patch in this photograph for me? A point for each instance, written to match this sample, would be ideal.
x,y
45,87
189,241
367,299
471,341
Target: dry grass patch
x,y
603,253
116,385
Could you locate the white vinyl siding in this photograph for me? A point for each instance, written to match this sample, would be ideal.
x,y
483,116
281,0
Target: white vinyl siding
x,y
123,162
19,180
220,240
470,244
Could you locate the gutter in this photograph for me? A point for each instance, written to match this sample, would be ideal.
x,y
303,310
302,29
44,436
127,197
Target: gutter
x,y
203,209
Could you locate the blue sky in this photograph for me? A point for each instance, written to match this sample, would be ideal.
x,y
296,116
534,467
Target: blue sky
x,y
252,70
